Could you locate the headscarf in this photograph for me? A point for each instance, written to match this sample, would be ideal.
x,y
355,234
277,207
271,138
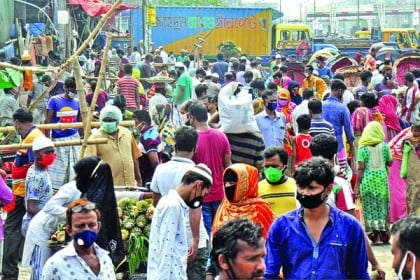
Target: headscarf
x,y
111,111
95,182
372,135
396,144
245,202
388,107
297,99
287,110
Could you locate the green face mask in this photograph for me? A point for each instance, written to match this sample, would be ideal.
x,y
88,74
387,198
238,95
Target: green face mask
x,y
273,175
109,127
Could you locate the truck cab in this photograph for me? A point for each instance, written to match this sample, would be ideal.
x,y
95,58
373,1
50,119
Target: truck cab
x,y
289,36
395,35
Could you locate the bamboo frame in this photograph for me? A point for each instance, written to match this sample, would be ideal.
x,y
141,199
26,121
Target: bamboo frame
x,y
35,69
87,118
56,144
75,56
64,126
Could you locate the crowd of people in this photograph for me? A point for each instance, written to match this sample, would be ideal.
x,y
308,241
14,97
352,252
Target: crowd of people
x,y
253,175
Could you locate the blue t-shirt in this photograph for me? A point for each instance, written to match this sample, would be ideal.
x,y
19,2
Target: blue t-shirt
x,y
65,111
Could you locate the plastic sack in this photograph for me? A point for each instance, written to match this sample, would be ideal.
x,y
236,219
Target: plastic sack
x,y
236,111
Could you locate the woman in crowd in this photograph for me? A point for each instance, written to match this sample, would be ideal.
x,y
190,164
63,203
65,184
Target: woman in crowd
x,y
374,156
397,185
388,105
241,198
410,169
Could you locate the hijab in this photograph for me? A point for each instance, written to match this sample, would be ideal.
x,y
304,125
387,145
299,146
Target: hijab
x,y
372,135
245,201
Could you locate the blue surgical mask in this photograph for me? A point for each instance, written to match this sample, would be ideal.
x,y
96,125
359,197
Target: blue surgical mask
x,y
109,127
272,106
85,238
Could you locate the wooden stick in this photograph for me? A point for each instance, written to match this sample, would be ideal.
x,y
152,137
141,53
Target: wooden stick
x,y
65,126
35,69
56,144
64,66
95,95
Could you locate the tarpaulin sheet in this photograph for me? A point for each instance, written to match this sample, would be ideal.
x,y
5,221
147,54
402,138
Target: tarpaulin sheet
x,y
95,8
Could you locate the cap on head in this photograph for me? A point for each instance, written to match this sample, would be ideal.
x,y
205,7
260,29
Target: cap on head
x,y
45,78
203,171
278,56
215,75
112,112
179,64
42,142
25,56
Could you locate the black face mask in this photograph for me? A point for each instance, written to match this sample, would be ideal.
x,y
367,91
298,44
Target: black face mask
x,y
195,202
230,192
310,201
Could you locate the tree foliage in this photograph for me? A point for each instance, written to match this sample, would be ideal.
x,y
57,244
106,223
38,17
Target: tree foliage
x,y
229,49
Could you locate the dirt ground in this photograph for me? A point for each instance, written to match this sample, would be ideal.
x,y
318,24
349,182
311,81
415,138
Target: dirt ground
x,y
382,253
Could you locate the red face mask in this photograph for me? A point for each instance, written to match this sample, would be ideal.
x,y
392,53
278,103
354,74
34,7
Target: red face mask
x,y
47,160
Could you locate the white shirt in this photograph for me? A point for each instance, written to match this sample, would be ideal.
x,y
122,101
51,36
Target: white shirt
x,y
168,247
167,176
45,221
300,110
408,99
347,97
164,56
66,264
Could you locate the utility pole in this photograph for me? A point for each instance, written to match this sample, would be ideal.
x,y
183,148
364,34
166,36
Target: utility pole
x,y
358,14
62,28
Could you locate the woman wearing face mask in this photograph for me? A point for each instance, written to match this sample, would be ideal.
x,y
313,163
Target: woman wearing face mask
x,y
241,198
373,157
284,104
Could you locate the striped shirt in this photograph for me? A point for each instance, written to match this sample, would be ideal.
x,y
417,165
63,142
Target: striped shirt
x,y
128,87
319,125
247,148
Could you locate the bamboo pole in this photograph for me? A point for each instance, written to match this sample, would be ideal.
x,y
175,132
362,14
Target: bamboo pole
x,y
80,92
56,144
49,126
34,69
90,110
63,67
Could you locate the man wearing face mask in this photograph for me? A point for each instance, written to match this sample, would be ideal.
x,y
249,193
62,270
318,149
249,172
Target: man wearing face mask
x,y
120,152
271,123
316,241
64,108
341,196
13,238
317,85
387,84
277,189
83,256
336,113
406,247
149,145
168,243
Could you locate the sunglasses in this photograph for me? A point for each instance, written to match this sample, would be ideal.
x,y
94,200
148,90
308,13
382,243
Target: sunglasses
x,y
87,207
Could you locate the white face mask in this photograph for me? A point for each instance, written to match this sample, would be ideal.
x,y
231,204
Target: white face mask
x,y
402,265
306,74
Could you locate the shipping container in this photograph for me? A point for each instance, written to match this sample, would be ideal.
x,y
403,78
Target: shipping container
x,y
179,27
